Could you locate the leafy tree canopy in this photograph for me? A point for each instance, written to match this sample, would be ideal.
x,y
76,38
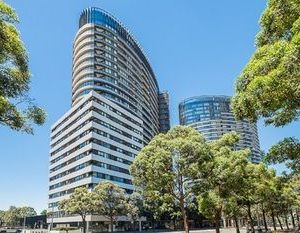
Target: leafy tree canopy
x,y
2,214
17,110
269,85
134,206
226,174
81,202
210,204
26,211
286,151
12,216
166,167
111,201
44,212
106,199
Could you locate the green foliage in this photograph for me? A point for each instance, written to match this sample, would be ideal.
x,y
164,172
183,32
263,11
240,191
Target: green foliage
x,y
251,177
110,200
26,211
12,216
210,205
295,182
165,168
264,184
17,110
2,215
228,166
167,165
81,202
134,205
286,151
225,177
232,209
44,212
107,199
269,85
279,197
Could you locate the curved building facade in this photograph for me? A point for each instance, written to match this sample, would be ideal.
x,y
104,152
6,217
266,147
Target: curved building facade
x,y
116,110
108,60
212,116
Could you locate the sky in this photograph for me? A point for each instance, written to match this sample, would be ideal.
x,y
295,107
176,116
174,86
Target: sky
x,y
195,48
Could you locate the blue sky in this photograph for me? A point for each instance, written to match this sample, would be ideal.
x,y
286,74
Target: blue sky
x,y
195,47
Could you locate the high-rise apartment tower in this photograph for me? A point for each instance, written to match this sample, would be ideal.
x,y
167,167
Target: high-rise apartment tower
x,y
212,116
115,111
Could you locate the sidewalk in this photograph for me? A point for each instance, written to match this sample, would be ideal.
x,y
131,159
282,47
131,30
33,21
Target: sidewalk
x,y
223,230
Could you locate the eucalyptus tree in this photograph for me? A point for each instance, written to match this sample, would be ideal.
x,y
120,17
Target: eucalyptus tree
x,y
266,192
134,206
167,168
211,205
111,202
233,210
224,179
2,213
44,212
256,188
17,110
12,217
81,202
286,151
289,200
295,184
269,85
26,211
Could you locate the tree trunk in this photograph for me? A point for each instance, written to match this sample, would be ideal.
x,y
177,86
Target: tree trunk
x,y
293,219
182,205
84,224
184,216
286,222
250,218
264,217
217,223
297,215
280,224
111,224
217,220
273,220
236,222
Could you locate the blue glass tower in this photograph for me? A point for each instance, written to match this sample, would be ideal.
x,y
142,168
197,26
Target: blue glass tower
x,y
212,116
